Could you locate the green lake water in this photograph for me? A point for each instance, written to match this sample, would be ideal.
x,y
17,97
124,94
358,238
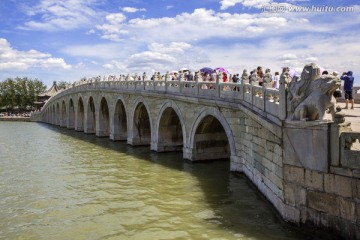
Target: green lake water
x,y
61,184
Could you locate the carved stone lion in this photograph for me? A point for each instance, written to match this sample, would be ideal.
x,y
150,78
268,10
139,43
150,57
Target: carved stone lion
x,y
312,94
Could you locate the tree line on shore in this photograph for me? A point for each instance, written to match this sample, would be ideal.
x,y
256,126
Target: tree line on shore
x,y
21,93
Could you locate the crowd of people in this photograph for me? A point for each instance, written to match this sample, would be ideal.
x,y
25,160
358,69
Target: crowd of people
x,y
256,77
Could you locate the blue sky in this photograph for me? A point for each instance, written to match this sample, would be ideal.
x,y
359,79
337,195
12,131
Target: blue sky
x,y
55,40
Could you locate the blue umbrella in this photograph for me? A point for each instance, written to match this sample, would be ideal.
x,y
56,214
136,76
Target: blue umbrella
x,y
207,70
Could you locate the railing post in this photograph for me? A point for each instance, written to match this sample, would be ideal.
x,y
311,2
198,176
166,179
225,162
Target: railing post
x,y
242,84
180,86
264,95
197,86
282,100
217,88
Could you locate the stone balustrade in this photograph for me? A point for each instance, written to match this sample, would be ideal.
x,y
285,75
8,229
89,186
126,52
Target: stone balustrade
x,y
264,101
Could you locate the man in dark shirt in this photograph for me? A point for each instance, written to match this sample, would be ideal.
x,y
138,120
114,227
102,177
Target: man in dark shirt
x,y
190,76
348,87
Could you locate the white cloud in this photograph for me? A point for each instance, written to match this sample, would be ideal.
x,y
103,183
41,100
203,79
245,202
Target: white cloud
x,y
98,51
113,29
271,40
115,18
151,57
60,15
108,66
287,56
200,24
12,59
169,7
247,3
132,9
172,48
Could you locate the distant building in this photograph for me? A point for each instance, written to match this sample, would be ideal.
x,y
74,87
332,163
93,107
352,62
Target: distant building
x,y
44,96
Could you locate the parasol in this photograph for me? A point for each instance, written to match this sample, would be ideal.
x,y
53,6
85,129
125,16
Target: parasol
x,y
207,70
222,70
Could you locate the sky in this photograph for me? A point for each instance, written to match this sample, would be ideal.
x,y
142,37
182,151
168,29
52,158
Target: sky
x,y
65,40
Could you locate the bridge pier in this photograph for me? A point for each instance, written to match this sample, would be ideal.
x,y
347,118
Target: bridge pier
x,y
138,141
62,123
79,128
89,131
70,125
166,147
102,133
117,136
217,153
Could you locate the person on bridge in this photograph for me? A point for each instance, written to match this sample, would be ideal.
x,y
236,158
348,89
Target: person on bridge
x,y
348,87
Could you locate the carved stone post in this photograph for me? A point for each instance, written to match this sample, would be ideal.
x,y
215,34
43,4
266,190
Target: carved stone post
x,y
337,128
197,86
263,92
242,83
217,88
283,97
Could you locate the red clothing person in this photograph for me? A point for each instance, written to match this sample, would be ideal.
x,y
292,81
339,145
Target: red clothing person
x,y
225,77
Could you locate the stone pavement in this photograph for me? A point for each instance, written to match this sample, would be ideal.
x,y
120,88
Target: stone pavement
x,y
352,115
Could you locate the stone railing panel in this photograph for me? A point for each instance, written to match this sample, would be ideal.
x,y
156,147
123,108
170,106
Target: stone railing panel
x,y
248,93
173,86
230,91
131,85
208,89
258,98
139,85
149,85
349,157
272,102
123,85
160,85
189,88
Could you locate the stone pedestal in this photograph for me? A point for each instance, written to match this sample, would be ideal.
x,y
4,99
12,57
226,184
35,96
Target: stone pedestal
x,y
307,145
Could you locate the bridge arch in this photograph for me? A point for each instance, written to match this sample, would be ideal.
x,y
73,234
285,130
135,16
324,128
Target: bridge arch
x,y
47,117
80,115
90,123
120,120
140,123
57,114
211,137
63,114
170,133
71,117
104,119
53,114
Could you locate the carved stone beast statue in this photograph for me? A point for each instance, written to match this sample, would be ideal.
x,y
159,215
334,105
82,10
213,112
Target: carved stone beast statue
x,y
312,94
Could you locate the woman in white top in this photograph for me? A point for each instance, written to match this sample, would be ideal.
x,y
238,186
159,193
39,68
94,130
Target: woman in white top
x,y
276,80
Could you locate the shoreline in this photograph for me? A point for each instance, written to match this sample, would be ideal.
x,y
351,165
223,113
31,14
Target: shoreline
x,y
15,119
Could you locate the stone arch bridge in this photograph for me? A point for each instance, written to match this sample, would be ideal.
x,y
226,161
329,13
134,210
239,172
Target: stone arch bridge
x,y
211,120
